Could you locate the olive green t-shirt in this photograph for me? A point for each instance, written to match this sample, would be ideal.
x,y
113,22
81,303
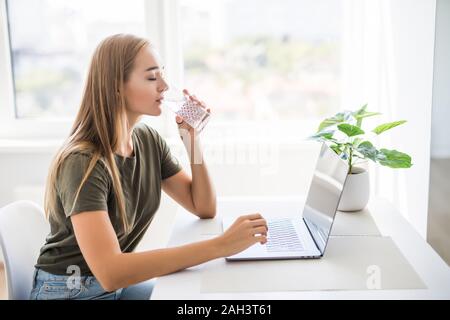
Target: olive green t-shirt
x,y
141,177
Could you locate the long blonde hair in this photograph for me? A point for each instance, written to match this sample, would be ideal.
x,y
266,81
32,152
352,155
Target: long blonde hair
x,y
101,123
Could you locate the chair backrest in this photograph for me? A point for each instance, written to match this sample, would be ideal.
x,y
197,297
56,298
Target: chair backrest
x,y
23,229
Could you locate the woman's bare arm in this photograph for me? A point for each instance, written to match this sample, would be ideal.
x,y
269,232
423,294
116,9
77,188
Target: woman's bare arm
x,y
113,269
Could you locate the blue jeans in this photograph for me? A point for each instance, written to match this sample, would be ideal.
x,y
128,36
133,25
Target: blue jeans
x,y
47,286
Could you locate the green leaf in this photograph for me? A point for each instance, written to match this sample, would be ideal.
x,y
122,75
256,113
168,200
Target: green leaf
x,y
337,118
362,113
327,123
386,126
368,150
323,135
356,142
394,159
336,148
367,114
350,130
360,110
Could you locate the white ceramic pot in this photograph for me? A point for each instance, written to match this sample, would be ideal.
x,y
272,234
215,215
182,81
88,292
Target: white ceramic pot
x,y
356,191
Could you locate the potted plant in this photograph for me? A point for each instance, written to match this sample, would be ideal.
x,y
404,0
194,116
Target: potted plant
x,y
344,133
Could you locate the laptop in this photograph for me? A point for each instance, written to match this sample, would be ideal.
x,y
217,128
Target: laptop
x,y
304,236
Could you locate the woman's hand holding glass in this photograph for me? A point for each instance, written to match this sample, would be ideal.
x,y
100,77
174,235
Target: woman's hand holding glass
x,y
192,114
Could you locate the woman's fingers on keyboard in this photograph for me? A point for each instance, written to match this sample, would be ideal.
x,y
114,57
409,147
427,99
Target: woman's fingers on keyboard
x,y
253,216
261,239
260,230
259,223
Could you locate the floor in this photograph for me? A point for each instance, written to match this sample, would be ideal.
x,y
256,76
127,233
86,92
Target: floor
x,y
439,208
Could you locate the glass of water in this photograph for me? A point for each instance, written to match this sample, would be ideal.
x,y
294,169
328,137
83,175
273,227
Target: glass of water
x,y
190,111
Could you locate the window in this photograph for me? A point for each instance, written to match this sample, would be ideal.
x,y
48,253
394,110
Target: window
x,y
250,60
264,60
52,42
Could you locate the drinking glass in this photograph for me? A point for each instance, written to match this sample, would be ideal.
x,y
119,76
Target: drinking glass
x,y
190,111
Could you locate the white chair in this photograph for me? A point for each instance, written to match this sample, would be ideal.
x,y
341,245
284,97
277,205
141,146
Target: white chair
x,y
23,229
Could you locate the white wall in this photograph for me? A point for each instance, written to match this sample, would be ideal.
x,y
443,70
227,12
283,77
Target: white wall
x,y
440,129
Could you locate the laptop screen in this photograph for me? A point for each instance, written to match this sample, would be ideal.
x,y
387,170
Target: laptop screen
x,y
324,194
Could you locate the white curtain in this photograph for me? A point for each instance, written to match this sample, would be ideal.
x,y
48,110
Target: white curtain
x,y
388,63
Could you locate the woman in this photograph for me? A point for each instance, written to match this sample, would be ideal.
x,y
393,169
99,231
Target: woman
x,y
104,187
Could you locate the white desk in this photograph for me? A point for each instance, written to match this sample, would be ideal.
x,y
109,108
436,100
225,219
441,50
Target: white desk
x,y
186,284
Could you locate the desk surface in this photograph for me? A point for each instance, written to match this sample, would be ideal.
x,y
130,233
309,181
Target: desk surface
x,y
186,284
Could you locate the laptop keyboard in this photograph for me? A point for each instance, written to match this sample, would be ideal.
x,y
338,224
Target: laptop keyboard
x,y
282,236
